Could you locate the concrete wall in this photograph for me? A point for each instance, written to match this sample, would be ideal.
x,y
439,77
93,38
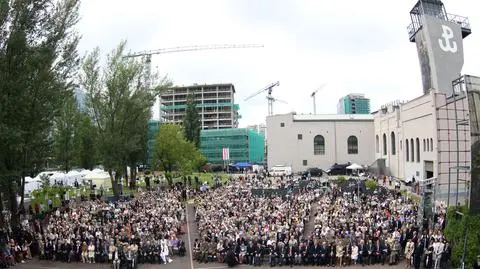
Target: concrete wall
x,y
284,147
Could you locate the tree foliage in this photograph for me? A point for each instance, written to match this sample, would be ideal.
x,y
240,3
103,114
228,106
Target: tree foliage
x,y
65,131
192,122
38,60
85,142
119,102
174,153
455,234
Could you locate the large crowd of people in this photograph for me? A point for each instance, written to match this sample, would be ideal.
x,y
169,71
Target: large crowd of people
x,y
146,228
238,227
288,224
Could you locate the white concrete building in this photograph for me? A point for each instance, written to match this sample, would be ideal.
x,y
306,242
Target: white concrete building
x,y
303,141
419,139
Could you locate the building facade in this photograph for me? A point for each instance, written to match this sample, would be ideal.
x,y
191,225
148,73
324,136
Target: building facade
x,y
354,103
215,104
245,145
153,127
418,139
303,141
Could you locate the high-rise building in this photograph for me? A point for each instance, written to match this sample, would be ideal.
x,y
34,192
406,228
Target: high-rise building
x,y
354,103
215,104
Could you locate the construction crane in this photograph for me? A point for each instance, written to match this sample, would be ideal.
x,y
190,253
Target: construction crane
x,y
147,54
270,98
313,96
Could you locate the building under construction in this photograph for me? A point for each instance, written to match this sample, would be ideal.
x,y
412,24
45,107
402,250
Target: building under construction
x,y
215,104
243,144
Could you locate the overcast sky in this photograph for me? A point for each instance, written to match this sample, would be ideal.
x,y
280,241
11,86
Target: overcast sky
x,y
352,46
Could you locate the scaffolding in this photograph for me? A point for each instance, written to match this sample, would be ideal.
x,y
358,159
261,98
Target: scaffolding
x,y
245,145
453,141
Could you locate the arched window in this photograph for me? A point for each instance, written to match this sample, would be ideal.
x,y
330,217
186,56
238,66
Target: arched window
x,y
417,144
407,150
428,145
377,144
412,150
393,142
352,145
431,144
318,145
424,145
384,143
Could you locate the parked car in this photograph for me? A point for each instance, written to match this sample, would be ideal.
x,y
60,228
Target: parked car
x,y
314,172
337,169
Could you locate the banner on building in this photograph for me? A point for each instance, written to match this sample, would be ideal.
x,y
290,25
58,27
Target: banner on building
x,y
225,154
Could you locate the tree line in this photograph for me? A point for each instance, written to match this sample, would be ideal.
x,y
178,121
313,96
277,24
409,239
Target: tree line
x,y
41,123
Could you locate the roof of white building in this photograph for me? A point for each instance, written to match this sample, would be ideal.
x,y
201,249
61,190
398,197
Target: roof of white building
x,y
328,117
332,117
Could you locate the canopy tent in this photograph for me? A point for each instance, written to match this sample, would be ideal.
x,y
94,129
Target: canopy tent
x,y
57,178
99,179
354,166
32,184
242,165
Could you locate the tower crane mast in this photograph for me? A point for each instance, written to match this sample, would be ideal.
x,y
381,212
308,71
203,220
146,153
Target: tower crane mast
x,y
270,98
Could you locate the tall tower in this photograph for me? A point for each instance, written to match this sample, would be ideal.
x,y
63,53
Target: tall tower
x,y
439,38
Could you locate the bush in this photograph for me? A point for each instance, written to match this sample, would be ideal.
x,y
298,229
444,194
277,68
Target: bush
x,y
455,232
371,184
341,180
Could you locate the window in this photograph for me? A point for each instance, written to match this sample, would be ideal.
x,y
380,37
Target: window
x,y
377,144
384,143
412,150
282,124
393,146
424,147
304,162
417,144
431,144
428,145
318,145
299,136
352,145
407,150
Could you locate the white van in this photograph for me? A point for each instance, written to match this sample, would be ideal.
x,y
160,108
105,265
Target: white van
x,y
280,170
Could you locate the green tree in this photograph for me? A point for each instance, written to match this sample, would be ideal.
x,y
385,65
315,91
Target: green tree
x,y
119,102
455,233
65,132
191,122
37,62
86,144
173,152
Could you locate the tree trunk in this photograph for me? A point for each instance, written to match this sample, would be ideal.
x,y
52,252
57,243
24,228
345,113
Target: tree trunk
x,y
116,191
133,173
12,199
127,177
22,191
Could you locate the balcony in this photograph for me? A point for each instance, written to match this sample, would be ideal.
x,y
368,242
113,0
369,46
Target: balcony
x,y
415,26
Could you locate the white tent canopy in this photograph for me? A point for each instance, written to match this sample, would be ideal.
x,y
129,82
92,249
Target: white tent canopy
x,y
99,178
354,166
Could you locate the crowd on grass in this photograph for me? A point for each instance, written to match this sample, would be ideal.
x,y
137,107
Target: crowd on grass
x,y
145,228
238,227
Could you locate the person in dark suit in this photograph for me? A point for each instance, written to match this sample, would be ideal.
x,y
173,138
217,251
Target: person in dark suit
x,y
417,255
